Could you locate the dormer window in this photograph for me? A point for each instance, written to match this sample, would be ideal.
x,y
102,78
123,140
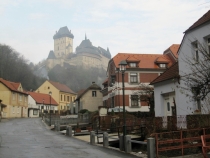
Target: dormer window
x,y
132,64
162,65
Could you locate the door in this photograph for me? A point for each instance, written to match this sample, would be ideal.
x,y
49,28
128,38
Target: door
x,y
167,107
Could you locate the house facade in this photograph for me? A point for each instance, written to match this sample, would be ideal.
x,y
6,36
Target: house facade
x,y
14,99
165,87
39,103
195,35
172,91
61,93
90,98
141,68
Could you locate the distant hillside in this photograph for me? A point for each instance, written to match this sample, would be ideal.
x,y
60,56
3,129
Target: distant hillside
x,y
14,67
77,77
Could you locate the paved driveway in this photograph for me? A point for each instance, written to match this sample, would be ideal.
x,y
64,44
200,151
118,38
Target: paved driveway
x,y
30,138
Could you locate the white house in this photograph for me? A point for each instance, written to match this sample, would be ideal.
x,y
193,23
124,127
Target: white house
x,y
170,96
40,103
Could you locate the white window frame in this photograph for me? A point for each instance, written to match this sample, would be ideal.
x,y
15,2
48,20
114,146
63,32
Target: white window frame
x,y
131,74
132,100
20,97
162,65
132,64
196,52
94,94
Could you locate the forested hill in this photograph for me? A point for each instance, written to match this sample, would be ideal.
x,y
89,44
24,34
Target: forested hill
x,y
14,67
77,77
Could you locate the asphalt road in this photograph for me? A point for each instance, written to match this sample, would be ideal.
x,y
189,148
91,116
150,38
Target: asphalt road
x,y
30,138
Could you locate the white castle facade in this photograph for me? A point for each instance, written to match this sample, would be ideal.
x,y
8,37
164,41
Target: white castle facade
x,y
85,54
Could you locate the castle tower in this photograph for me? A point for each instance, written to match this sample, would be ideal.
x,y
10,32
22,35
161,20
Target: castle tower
x,y
63,42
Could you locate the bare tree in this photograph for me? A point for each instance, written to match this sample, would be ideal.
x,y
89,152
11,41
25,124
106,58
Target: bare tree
x,y
197,79
145,93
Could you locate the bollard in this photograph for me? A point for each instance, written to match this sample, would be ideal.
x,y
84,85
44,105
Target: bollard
x,y
127,144
92,138
69,131
121,143
208,155
58,127
151,147
105,139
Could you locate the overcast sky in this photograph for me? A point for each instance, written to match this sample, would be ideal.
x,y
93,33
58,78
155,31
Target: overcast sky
x,y
126,26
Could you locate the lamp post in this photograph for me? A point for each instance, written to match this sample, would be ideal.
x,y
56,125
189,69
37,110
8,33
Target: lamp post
x,y
122,65
50,93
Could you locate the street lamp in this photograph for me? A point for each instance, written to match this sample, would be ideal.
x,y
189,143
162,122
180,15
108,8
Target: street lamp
x,y
50,93
122,65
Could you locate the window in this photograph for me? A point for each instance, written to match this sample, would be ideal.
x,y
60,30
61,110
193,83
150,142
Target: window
x,y
105,103
162,65
132,64
64,97
61,97
196,92
13,96
133,78
113,78
134,101
168,106
20,97
112,102
67,98
93,93
208,44
195,46
35,112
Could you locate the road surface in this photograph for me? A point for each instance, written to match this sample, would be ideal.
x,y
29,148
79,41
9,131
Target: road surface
x,y
31,138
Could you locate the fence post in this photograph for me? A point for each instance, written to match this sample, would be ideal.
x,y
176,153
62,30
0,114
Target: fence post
x,y
151,147
92,138
121,143
69,131
105,139
58,126
127,144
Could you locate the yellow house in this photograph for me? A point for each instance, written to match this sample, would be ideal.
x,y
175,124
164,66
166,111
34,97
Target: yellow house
x,y
90,99
14,99
62,94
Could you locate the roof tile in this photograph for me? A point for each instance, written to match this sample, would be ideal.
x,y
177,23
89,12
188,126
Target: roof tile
x,y
172,72
205,18
62,87
40,98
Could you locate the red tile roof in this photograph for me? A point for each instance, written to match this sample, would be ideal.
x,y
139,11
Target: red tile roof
x,y
13,86
162,59
105,81
62,87
39,98
92,87
146,60
205,18
174,49
172,72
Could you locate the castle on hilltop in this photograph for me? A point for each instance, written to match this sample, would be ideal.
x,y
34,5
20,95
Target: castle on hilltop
x,y
85,54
